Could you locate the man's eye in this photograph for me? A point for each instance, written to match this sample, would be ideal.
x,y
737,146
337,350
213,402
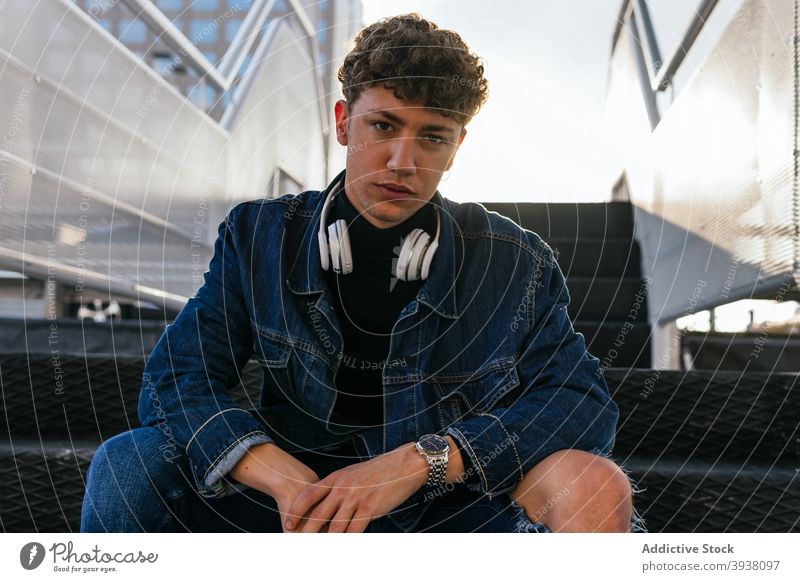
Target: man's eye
x,y
435,139
382,125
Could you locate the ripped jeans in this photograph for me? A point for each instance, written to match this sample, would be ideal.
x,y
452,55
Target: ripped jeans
x,y
138,483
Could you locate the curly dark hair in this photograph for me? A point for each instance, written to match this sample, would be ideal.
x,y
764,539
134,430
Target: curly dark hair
x,y
417,61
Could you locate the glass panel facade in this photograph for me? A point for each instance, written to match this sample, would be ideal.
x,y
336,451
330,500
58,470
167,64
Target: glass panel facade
x,y
230,30
205,4
132,31
165,64
169,4
203,31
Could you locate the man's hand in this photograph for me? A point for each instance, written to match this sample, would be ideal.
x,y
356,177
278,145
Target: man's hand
x,y
273,471
348,499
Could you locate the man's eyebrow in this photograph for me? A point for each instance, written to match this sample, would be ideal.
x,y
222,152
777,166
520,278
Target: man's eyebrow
x,y
394,118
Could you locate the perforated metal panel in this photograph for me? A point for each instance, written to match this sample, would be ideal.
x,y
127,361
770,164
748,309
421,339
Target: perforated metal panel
x,y
110,179
43,484
87,397
719,416
711,451
682,497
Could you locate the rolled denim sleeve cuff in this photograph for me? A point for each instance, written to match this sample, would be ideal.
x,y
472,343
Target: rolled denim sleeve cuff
x,y
492,452
228,432
228,462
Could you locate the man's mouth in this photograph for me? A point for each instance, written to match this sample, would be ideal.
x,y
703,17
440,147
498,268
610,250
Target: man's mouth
x,y
391,190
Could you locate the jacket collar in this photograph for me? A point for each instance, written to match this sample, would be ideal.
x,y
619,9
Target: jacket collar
x,y
438,292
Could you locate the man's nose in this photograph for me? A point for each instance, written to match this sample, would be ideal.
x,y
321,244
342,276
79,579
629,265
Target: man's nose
x,y
402,155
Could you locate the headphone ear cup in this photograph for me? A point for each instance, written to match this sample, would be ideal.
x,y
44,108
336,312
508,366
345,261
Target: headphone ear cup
x,y
341,255
401,270
324,252
333,240
345,251
426,262
417,256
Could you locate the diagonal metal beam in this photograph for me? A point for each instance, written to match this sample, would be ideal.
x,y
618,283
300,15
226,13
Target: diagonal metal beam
x,y
245,38
163,27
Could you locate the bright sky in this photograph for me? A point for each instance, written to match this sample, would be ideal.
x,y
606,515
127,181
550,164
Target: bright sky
x,y
540,136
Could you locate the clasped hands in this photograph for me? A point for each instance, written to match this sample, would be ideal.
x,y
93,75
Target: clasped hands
x,y
344,501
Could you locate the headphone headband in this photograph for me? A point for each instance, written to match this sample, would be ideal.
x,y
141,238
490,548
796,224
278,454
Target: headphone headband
x,y
416,252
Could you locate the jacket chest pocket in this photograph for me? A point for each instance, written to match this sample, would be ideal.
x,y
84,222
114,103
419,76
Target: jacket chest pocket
x,y
295,371
462,395
273,356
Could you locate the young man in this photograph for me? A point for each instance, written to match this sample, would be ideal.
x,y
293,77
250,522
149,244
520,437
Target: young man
x,y
421,373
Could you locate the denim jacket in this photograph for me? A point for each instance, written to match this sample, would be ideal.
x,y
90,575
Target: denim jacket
x,y
485,353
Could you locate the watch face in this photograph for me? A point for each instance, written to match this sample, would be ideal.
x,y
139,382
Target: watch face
x,y
433,444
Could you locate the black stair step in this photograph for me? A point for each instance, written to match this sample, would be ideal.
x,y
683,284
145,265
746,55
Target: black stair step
x,y
607,298
42,485
597,257
709,415
617,344
681,497
755,352
73,336
92,397
69,396
600,220
41,490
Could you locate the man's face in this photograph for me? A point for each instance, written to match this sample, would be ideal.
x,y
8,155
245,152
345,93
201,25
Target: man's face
x,y
397,152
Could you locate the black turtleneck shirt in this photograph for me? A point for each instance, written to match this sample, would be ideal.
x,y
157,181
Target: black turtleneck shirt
x,y
368,302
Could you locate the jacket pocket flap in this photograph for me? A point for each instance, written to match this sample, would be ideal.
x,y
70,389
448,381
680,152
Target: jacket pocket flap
x,y
270,349
480,390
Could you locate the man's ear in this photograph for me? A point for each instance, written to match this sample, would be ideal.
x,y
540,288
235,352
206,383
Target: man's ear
x,y
341,113
461,137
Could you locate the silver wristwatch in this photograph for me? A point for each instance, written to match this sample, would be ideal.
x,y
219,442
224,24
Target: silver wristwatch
x,y
434,449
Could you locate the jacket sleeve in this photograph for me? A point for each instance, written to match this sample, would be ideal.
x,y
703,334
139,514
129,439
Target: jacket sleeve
x,y
199,357
562,402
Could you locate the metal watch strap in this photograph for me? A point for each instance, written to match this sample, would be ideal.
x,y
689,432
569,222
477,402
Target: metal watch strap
x,y
437,468
434,449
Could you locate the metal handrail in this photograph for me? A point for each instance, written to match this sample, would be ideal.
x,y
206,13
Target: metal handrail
x,y
229,115
648,94
222,77
312,35
678,54
660,73
647,36
162,26
245,38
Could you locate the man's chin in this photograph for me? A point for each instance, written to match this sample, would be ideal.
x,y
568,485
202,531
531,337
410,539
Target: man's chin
x,y
387,218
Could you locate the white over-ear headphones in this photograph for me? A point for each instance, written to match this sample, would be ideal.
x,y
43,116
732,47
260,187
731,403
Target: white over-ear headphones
x,y
416,253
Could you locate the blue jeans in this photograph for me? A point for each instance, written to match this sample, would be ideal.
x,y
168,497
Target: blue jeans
x,y
139,482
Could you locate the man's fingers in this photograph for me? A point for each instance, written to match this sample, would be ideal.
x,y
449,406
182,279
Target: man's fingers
x,y
310,496
359,523
297,528
341,521
320,515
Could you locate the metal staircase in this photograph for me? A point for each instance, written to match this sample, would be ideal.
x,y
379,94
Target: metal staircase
x,y
597,251
710,451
